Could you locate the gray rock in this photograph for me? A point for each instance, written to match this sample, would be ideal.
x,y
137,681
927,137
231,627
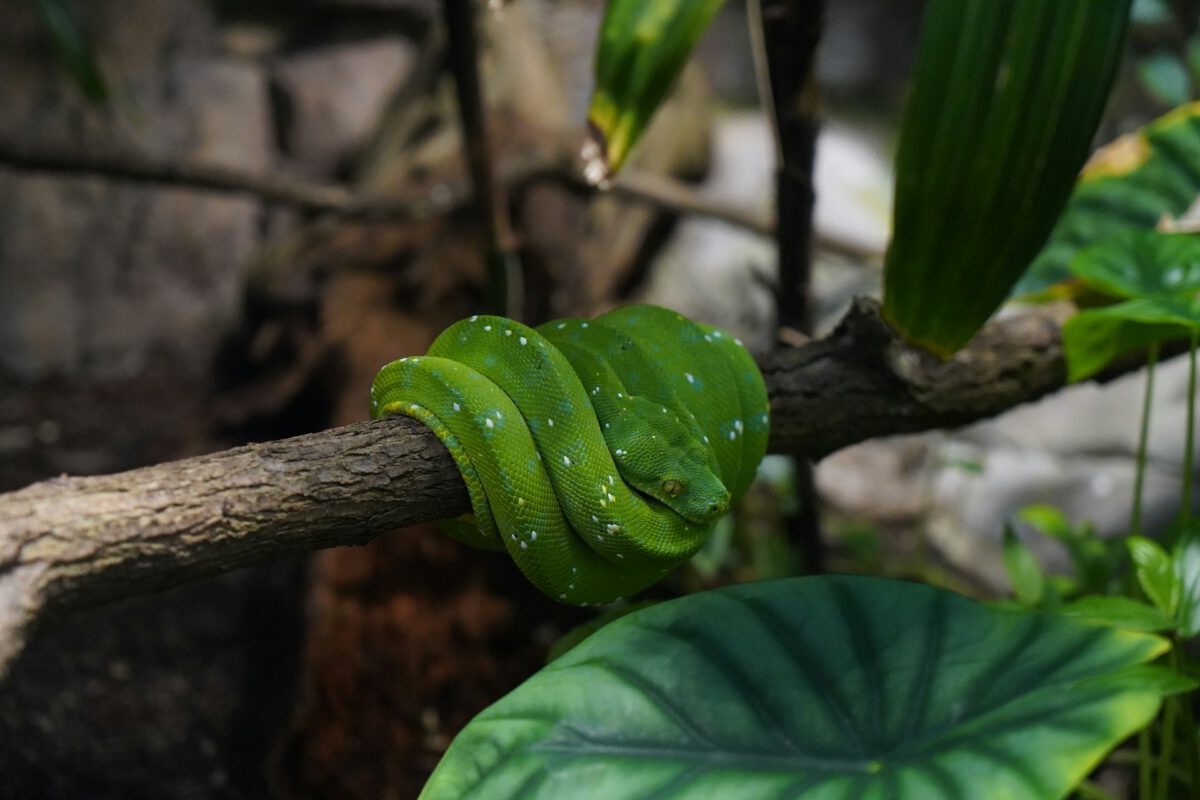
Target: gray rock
x,y
334,96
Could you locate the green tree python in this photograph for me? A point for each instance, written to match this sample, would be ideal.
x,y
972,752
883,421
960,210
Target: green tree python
x,y
598,453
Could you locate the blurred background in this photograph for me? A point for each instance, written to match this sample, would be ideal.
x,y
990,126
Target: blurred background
x,y
142,321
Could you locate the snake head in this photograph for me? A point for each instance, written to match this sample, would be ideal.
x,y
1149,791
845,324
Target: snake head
x,y
660,457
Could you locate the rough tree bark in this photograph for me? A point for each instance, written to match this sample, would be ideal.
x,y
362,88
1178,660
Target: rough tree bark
x,y
75,542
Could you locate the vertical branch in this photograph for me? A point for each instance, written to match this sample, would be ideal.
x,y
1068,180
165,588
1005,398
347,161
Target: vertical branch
x,y
789,31
503,269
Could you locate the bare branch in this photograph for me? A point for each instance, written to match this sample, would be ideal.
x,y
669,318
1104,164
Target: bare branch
x,y
659,190
70,543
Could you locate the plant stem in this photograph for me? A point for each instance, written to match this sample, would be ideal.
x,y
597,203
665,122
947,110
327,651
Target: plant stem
x,y
1166,746
1189,445
1145,764
1135,521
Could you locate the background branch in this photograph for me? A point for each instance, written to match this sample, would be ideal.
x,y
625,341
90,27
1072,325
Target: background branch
x,y
71,543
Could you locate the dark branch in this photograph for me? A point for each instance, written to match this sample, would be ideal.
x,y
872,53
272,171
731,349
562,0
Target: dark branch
x,y
70,543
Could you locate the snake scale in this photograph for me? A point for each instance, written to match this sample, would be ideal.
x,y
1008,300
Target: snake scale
x,y
598,453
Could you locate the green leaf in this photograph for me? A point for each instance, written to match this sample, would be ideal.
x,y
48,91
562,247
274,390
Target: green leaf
x,y
1165,76
1141,263
73,48
1186,563
1094,337
642,49
1006,98
824,687
1155,573
1130,184
1048,520
1023,569
1121,612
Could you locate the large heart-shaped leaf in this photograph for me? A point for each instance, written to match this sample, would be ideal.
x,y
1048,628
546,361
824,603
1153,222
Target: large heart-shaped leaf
x,y
825,687
1129,184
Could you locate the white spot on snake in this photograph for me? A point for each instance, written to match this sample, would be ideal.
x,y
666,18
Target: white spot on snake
x,y
612,499
706,438
611,481
533,536
457,407
412,407
508,333
595,391
491,424
374,403
574,570
613,528
606,426
717,334
732,435
603,504
620,396
584,325
567,460
690,377
539,455
487,327
763,417
524,340
513,536
664,408
520,501
737,423
524,545
618,452
561,325
571,585
415,360
739,341
474,318
562,597
550,422
620,556
594,519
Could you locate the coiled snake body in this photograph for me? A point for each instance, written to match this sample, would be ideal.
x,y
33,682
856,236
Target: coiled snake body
x,y
598,453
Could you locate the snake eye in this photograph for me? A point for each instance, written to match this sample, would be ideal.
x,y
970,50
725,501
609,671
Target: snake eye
x,y
672,488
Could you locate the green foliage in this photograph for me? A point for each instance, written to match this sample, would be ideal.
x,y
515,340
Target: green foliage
x,y
1160,273
642,49
1129,185
1029,585
1006,99
826,687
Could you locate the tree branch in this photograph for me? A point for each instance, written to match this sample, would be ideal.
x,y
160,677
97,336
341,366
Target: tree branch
x,y
70,543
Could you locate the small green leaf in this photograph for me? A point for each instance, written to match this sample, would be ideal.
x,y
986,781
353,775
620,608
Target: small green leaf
x,y
1023,569
1141,263
1165,76
1120,612
821,688
73,48
1048,520
642,49
1155,573
1006,99
1094,337
1186,558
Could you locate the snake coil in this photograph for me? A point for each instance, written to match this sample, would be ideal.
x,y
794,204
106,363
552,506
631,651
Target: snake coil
x,y
598,453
